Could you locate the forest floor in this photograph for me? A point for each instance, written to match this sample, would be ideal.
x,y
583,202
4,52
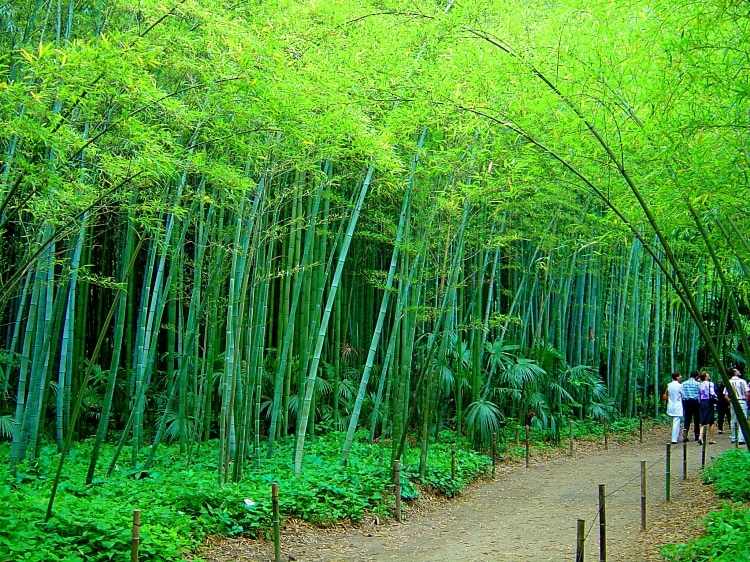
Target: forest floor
x,y
523,514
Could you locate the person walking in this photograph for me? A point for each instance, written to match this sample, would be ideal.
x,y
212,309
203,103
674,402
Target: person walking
x,y
739,385
691,405
723,411
708,400
673,396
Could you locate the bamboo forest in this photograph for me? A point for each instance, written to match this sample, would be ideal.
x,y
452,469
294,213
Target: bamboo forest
x,y
245,242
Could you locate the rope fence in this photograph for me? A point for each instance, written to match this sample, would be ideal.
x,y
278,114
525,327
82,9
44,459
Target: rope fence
x,y
582,534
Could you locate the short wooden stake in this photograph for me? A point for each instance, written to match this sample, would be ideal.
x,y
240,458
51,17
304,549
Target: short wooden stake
x,y
518,434
684,460
606,435
703,450
397,483
570,447
276,522
136,535
527,446
602,524
640,426
580,539
669,471
453,462
643,495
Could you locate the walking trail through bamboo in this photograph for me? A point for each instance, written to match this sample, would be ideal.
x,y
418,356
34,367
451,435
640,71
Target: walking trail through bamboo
x,y
524,514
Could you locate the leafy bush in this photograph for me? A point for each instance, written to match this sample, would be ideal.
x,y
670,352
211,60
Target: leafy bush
x,y
727,535
729,475
181,504
469,466
727,539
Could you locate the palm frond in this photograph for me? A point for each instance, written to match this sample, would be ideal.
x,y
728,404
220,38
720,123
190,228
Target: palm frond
x,y
447,378
6,426
483,419
736,356
522,372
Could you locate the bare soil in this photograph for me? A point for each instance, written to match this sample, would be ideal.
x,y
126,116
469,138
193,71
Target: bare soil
x,y
523,514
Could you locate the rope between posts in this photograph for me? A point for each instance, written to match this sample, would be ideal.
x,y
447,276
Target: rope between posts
x,y
593,523
628,483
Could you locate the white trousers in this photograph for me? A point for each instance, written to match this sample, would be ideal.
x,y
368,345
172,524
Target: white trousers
x,y
676,428
736,424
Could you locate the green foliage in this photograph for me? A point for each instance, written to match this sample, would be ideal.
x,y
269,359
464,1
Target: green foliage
x,y
729,474
483,419
182,504
588,428
6,426
727,539
727,536
469,467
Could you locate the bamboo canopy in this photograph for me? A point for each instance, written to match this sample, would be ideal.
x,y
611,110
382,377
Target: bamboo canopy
x,y
250,223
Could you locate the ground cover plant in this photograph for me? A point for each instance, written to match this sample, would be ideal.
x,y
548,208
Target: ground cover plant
x,y
181,504
727,536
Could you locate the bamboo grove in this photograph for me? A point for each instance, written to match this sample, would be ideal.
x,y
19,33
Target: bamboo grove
x,y
259,223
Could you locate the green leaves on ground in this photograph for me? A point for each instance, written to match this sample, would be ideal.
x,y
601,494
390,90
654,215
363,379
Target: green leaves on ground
x,y
181,504
727,537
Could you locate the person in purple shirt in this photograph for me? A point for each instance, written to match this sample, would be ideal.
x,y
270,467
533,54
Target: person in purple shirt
x,y
708,399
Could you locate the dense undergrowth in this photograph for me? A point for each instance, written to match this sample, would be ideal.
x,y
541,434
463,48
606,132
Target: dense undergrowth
x,y
727,537
181,504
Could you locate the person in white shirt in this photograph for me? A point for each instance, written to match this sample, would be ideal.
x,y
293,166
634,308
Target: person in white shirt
x,y
673,396
741,391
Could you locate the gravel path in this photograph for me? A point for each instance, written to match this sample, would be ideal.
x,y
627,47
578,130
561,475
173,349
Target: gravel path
x,y
523,514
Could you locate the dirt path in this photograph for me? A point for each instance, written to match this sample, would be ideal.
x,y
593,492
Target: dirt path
x,y
523,514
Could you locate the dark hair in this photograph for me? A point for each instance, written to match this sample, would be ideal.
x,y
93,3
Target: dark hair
x,y
694,374
675,375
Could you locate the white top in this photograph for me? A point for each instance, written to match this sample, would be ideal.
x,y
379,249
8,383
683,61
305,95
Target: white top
x,y
740,388
674,405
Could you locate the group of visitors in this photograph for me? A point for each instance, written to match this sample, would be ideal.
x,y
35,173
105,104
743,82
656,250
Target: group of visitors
x,y
697,400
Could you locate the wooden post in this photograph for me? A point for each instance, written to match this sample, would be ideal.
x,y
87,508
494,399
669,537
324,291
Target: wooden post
x,y
494,452
397,483
276,522
640,426
518,438
669,471
580,539
570,448
606,436
643,495
684,460
453,462
703,451
527,446
136,535
602,524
